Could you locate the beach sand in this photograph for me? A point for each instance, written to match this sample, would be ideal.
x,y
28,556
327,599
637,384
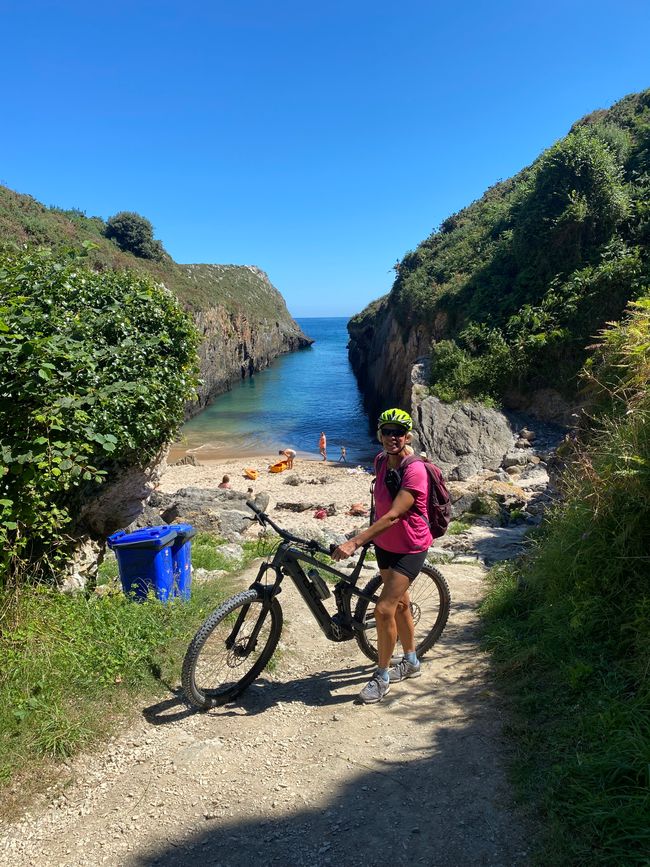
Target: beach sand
x,y
321,483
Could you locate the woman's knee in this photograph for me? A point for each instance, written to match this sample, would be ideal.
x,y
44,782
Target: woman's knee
x,y
385,610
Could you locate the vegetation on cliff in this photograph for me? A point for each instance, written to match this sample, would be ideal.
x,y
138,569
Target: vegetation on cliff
x,y
127,240
570,625
513,287
97,368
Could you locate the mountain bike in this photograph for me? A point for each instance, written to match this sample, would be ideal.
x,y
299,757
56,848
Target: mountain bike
x,y
236,642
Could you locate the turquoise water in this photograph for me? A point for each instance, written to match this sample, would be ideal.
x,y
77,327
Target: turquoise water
x,y
290,403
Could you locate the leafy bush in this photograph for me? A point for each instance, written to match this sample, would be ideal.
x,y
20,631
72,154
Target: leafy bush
x,y
570,627
96,371
134,234
537,266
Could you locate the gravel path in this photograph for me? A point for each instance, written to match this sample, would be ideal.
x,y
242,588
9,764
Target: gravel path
x,y
298,773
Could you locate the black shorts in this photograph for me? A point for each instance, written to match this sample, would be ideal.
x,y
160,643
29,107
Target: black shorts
x,y
406,564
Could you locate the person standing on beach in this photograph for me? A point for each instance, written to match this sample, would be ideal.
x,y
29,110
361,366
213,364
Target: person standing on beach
x,y
402,536
322,445
289,455
343,455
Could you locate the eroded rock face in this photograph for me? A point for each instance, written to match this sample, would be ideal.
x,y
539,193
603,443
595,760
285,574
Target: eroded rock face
x,y
382,353
240,340
462,438
119,502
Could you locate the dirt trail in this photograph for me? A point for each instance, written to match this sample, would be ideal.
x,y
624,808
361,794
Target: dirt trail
x,y
298,773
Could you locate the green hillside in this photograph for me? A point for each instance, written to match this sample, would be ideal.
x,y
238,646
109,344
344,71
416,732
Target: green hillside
x,y
23,220
513,287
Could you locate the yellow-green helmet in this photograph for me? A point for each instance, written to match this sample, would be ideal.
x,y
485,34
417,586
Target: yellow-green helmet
x,y
395,416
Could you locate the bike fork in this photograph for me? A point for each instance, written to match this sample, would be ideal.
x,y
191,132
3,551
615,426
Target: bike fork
x,y
252,639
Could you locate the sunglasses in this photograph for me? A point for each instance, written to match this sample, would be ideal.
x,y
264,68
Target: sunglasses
x,y
393,432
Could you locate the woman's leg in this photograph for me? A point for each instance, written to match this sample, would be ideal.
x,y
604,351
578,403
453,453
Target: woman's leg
x,y
405,625
392,595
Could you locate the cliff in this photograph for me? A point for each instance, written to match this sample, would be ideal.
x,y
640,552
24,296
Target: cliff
x,y
243,331
507,295
382,352
242,318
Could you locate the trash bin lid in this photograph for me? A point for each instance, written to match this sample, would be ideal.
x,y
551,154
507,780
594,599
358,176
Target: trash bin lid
x,y
184,531
147,537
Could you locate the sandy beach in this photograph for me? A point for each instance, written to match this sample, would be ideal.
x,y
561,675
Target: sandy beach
x,y
320,483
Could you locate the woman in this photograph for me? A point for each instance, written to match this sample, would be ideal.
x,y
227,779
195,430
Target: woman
x,y
402,538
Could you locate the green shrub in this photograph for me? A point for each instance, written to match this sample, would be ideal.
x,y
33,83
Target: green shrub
x,y
134,234
570,626
96,369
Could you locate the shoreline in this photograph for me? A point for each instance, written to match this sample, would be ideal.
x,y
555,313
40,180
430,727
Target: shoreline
x,y
208,455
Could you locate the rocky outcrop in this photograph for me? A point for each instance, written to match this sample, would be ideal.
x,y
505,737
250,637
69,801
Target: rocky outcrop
x,y
463,438
246,328
382,353
220,511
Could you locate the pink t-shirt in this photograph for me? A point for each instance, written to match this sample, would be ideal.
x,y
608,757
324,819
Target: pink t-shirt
x,y
411,533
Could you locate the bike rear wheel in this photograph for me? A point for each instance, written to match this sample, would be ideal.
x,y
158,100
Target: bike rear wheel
x,y
231,648
430,604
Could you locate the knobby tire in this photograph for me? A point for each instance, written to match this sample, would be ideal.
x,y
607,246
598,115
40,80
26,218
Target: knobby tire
x,y
215,674
430,604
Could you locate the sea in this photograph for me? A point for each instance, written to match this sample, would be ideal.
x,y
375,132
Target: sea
x,y
288,405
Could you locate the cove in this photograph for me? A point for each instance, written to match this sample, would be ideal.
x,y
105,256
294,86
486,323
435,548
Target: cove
x,y
289,404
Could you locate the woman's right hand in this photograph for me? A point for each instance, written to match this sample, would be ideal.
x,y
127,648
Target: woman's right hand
x,y
342,552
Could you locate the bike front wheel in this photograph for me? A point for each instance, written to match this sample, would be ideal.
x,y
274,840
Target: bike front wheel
x,y
430,603
232,647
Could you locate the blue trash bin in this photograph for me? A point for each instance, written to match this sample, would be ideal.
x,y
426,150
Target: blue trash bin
x,y
182,559
144,560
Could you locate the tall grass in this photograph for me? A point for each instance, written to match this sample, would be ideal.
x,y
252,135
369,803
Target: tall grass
x,y
72,665
570,628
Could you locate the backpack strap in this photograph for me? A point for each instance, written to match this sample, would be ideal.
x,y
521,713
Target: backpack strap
x,y
410,459
378,458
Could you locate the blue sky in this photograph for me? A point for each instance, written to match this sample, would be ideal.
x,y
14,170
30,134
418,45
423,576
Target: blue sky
x,y
317,141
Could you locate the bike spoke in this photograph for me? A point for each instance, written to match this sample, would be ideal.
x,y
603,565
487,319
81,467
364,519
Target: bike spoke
x,y
228,653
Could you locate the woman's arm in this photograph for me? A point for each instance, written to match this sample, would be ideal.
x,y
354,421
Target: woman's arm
x,y
401,504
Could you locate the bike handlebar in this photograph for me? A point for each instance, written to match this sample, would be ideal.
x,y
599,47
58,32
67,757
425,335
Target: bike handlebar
x,y
263,518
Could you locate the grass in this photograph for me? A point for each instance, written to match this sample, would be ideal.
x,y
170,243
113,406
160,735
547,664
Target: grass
x,y
569,629
72,666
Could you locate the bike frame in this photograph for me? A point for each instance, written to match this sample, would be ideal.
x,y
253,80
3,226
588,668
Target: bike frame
x,y
287,561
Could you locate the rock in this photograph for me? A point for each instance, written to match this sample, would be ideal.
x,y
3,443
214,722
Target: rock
x,y
514,459
231,551
188,460
234,522
215,510
292,480
522,444
534,477
462,438
297,507
200,575
527,435
83,566
118,503
262,501
513,471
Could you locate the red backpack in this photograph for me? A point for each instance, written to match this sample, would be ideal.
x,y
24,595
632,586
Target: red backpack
x,y
438,501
